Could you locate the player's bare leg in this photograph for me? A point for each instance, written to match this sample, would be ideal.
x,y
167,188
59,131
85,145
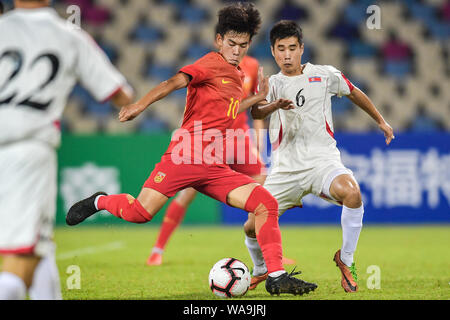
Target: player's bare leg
x,y
254,198
173,218
17,276
124,206
345,189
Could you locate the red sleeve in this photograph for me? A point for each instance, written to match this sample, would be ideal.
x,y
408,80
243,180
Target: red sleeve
x,y
197,72
350,85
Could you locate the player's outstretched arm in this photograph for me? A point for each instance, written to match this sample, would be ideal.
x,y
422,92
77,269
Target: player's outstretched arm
x,y
251,101
263,109
362,100
123,96
263,90
131,111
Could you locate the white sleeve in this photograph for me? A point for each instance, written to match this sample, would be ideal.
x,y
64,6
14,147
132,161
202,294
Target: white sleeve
x,y
338,84
271,96
94,70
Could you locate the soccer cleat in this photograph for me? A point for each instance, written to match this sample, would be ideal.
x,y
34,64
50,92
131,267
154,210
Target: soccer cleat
x,y
349,277
82,210
155,259
286,283
257,280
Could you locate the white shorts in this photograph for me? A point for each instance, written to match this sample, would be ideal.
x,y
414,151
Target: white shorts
x,y
290,187
27,198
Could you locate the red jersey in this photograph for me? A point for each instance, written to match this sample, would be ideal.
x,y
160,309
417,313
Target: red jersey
x,y
212,104
250,67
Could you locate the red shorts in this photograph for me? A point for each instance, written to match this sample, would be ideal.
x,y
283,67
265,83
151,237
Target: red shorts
x,y
250,163
215,181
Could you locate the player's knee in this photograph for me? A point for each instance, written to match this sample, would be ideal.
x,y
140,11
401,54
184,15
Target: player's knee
x,y
185,197
261,202
140,214
353,197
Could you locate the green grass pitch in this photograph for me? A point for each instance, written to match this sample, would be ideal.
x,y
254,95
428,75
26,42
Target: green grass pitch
x,y
414,262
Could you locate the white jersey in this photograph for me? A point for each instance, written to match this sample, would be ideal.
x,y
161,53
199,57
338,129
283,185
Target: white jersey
x,y
41,58
303,136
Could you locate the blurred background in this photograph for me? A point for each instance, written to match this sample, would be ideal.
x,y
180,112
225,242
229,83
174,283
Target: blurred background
x,y
404,67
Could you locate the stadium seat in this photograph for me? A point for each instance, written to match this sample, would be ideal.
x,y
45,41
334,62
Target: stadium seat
x,y
356,12
160,72
358,48
308,53
196,50
146,33
152,124
340,105
192,15
292,11
397,69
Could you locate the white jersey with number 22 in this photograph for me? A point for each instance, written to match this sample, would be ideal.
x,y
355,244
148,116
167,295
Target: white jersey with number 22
x,y
41,58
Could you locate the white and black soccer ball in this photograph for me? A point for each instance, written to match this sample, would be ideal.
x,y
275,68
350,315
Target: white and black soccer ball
x,y
229,278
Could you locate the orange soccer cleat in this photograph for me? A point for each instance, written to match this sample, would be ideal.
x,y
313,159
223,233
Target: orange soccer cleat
x,y
349,276
256,280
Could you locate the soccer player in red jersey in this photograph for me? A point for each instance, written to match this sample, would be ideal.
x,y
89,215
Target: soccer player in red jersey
x,y
251,167
193,158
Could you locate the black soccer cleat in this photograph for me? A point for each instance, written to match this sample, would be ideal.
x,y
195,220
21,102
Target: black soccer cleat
x,y
83,209
286,283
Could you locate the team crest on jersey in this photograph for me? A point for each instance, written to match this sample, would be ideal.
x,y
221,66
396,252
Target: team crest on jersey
x,y
159,177
315,79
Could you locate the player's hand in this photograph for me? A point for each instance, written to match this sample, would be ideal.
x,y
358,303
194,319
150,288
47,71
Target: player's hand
x,y
129,112
285,104
388,132
263,83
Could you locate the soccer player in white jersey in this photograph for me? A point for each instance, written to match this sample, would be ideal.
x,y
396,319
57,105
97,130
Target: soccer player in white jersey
x,y
305,158
41,59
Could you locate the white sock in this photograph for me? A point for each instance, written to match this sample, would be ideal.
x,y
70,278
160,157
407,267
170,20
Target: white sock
x,y
96,200
259,265
12,287
351,222
277,273
46,285
157,250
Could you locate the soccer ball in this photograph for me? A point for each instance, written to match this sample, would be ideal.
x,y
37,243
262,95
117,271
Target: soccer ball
x,y
229,277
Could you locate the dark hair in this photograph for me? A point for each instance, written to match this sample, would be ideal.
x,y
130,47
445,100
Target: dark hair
x,y
240,18
1,7
285,29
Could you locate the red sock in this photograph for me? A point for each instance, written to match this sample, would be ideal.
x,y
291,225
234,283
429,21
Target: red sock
x,y
124,206
174,215
265,208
